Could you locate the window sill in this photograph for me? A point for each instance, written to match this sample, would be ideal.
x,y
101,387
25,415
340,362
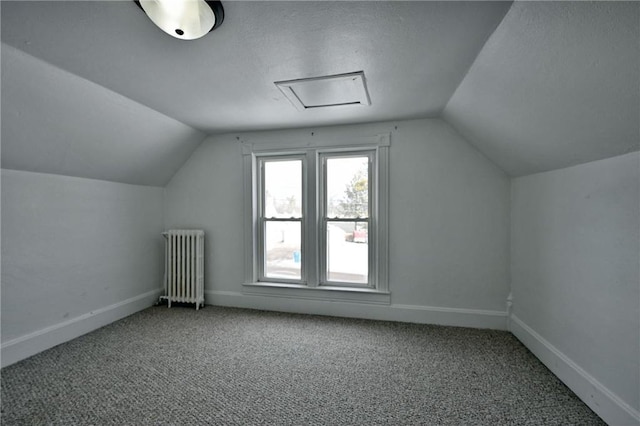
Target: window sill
x,y
325,293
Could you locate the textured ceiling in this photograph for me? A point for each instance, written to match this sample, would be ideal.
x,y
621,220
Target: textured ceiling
x,y
94,89
557,84
414,55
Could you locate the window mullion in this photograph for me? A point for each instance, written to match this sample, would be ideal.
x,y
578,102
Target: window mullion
x,y
310,184
322,228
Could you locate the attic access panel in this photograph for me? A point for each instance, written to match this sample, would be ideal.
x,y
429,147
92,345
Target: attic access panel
x,y
327,91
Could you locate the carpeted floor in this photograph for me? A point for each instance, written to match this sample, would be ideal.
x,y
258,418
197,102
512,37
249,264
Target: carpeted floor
x,y
227,366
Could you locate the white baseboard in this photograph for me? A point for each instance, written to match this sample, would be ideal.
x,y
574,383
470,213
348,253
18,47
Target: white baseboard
x,y
30,344
496,320
600,399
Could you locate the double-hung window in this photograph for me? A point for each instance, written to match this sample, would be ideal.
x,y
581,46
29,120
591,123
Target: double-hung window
x,y
316,217
281,221
347,186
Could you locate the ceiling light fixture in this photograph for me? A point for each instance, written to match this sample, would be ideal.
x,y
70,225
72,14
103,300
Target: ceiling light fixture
x,y
184,19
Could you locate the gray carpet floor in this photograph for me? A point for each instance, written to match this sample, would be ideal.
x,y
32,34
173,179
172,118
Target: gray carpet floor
x,y
226,366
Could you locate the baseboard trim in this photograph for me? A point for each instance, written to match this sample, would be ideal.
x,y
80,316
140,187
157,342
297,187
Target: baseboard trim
x,y
599,398
30,344
458,317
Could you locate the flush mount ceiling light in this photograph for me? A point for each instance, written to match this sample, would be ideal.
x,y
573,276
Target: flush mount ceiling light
x,y
327,91
184,19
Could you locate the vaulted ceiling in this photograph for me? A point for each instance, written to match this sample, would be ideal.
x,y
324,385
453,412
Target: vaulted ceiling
x,y
557,84
94,89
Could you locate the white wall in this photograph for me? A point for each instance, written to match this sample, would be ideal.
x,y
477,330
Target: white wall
x,y
76,255
449,223
575,280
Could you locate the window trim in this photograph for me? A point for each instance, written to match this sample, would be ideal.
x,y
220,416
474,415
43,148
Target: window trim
x,y
312,148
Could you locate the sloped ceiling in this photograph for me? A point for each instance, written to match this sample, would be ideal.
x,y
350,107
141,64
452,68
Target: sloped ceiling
x,y
55,122
94,89
110,96
414,55
557,84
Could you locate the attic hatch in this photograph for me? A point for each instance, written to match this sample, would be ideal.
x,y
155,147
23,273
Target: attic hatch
x,y
327,91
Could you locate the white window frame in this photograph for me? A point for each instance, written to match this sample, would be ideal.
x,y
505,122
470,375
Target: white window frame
x,y
262,220
313,283
323,155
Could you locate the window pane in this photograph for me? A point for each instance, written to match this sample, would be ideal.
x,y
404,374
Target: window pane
x,y
283,188
347,252
347,187
282,250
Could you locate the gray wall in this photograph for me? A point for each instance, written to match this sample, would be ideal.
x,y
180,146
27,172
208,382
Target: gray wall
x,y
55,122
575,244
71,246
449,213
